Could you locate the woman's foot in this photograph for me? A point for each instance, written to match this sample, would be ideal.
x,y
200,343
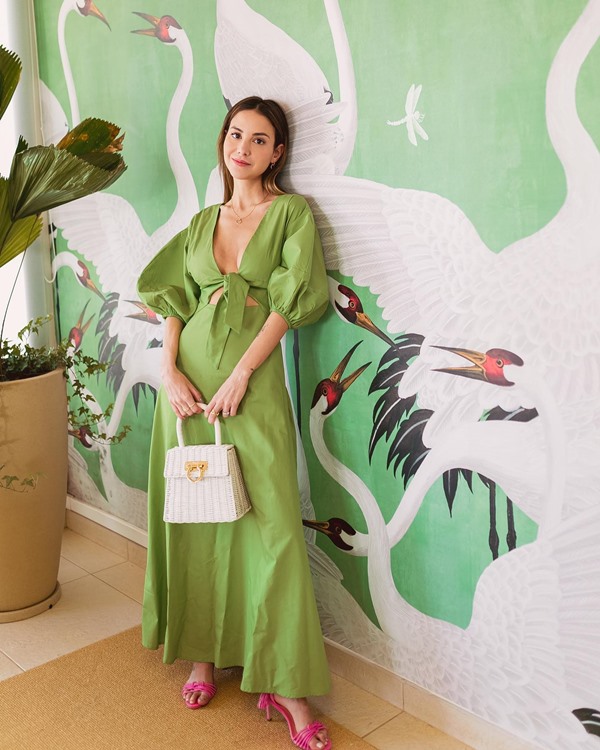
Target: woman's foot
x,y
302,716
200,687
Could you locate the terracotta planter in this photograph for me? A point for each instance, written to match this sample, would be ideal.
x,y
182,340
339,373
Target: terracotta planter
x,y
33,440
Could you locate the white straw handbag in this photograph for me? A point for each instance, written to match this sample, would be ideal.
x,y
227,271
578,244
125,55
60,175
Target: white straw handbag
x,y
204,483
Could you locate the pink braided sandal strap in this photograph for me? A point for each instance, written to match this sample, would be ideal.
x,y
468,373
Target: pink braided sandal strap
x,y
303,738
200,687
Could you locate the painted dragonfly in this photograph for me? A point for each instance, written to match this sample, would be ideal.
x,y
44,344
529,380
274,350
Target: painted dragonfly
x,y
413,117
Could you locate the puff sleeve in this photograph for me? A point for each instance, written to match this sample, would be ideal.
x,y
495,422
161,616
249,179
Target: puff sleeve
x,y
298,288
165,285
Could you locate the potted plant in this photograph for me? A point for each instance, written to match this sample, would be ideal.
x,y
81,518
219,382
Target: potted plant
x,y
33,394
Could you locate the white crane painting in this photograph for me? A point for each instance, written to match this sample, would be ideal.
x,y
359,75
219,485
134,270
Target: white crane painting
x,y
486,367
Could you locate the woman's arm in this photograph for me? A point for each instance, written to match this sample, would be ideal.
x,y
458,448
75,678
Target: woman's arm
x,y
183,395
227,399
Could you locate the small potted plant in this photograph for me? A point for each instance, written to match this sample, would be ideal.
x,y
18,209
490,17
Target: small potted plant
x,y
33,385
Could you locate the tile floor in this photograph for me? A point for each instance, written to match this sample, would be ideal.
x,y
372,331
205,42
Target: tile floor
x,y
101,596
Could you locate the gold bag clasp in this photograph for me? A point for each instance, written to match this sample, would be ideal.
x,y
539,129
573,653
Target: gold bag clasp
x,y
195,470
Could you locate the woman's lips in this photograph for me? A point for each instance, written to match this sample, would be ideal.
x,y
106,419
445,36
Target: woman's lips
x,y
240,163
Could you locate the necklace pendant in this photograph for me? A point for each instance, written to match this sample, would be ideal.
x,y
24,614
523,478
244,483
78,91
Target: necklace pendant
x,y
238,221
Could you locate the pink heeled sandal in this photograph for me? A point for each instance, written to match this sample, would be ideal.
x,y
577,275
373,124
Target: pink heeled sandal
x,y
198,687
302,738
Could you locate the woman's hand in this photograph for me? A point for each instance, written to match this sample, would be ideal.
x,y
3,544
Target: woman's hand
x,y
226,400
184,397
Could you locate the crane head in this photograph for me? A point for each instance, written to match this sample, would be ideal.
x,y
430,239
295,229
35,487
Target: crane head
x,y
334,528
352,310
331,389
145,313
89,9
85,279
161,27
83,434
489,366
353,304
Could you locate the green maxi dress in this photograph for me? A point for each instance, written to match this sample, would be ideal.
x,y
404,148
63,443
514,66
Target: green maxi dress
x,y
237,594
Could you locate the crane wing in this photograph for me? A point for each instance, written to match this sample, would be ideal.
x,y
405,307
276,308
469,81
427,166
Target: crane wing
x,y
105,229
416,251
255,57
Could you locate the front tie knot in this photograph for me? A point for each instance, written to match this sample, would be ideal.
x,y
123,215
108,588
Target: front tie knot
x,y
228,315
235,291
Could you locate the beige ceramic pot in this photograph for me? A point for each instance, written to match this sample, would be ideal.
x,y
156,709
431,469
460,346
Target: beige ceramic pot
x,y
33,440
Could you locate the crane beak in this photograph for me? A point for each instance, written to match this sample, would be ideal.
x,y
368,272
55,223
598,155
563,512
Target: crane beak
x,y
80,324
476,372
143,313
93,288
336,375
151,19
86,325
92,10
364,321
347,382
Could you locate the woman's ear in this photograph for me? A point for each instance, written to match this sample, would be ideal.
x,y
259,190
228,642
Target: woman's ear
x,y
277,153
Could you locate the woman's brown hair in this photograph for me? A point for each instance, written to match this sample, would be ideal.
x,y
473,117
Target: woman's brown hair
x,y
276,116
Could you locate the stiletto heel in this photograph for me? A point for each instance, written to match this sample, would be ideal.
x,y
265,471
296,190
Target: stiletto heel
x,y
301,739
263,705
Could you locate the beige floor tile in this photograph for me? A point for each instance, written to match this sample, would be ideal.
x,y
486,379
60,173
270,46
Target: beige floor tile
x,y
88,611
7,667
87,554
97,533
68,571
355,709
404,732
126,578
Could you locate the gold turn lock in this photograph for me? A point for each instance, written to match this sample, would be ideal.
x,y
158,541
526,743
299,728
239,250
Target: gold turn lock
x,y
195,470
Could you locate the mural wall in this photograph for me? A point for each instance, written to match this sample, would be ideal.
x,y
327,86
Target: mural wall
x,y
448,403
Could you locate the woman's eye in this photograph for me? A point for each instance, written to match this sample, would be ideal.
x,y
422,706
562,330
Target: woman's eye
x,y
259,141
235,135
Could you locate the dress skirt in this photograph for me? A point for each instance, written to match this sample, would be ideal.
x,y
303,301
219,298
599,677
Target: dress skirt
x,y
241,593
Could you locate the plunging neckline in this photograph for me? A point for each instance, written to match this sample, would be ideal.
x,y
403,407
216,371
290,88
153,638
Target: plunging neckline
x,y
258,226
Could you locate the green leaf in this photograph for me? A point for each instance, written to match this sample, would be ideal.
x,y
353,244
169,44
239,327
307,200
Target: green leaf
x,y
10,72
43,177
15,236
92,135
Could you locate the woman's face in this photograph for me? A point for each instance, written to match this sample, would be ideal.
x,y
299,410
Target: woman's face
x,y
249,146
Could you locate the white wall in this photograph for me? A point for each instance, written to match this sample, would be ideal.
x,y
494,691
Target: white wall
x,y
32,296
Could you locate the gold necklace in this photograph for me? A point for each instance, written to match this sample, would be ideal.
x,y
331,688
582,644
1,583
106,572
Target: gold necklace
x,y
241,218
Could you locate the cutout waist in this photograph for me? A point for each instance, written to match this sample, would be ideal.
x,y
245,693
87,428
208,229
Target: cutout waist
x,y
218,293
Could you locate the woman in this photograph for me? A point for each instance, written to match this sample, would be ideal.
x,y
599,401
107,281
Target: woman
x,y
230,286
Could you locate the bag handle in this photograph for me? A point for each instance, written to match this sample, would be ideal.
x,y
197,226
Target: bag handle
x,y
179,428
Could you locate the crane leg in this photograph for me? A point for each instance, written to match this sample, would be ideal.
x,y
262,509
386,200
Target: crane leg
x,y
494,540
511,536
296,353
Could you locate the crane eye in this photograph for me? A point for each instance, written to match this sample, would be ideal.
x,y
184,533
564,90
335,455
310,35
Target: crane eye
x,y
500,363
351,304
324,390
